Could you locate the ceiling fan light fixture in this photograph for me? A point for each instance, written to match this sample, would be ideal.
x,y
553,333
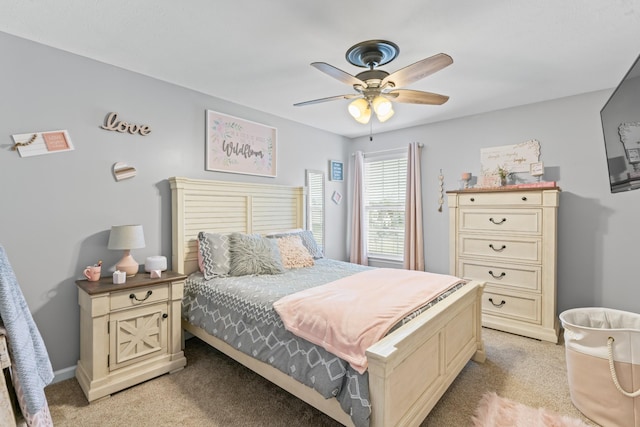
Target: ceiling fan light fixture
x,y
385,117
381,106
360,110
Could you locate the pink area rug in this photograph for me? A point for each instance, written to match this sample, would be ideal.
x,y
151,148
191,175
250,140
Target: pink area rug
x,y
496,411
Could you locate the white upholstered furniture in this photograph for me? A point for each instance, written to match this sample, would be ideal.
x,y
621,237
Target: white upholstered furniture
x,y
507,238
409,370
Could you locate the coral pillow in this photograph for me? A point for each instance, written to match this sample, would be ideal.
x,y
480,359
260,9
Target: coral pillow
x,y
293,252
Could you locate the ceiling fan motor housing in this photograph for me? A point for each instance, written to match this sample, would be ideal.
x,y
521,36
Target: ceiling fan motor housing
x,y
372,53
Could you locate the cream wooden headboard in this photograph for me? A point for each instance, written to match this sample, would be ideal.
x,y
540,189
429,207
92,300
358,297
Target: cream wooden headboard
x,y
225,207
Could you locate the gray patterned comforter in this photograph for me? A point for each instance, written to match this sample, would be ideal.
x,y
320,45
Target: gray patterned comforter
x,y
239,310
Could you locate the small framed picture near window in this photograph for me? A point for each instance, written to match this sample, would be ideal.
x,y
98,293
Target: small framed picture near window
x,y
336,170
336,197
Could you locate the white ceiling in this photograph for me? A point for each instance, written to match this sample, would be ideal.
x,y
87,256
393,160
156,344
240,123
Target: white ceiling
x,y
257,53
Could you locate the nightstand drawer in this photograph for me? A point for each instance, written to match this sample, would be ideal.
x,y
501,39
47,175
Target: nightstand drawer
x,y
516,276
498,248
518,198
516,306
139,296
501,221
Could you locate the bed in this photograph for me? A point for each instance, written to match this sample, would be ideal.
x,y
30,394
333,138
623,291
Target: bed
x,y
408,370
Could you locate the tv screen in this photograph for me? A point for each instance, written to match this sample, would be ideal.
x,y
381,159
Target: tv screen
x,y
621,127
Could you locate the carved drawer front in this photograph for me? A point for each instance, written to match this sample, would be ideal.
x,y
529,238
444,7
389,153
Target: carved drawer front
x,y
136,335
517,198
517,276
507,248
521,306
503,221
139,296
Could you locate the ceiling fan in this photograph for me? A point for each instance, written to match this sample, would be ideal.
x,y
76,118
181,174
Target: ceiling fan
x,y
376,88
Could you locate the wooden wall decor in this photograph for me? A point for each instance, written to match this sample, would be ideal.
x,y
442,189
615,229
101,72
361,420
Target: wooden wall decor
x,y
36,143
111,122
122,171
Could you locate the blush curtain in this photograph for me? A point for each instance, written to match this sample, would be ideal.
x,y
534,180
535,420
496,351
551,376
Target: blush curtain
x,y
413,233
358,249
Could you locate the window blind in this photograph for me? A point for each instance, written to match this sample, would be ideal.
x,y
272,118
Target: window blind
x,y
316,207
385,182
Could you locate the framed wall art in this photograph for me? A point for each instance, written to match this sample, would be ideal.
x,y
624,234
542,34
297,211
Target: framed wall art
x,y
336,170
512,158
37,143
239,146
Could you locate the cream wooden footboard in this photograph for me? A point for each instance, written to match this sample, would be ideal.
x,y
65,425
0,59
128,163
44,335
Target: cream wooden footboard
x,y
409,370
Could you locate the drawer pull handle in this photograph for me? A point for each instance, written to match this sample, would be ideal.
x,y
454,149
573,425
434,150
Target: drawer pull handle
x,y
497,277
473,199
497,305
497,250
133,296
165,315
497,222
524,198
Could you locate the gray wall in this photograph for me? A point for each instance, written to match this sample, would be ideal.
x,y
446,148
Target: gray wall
x,y
597,229
56,209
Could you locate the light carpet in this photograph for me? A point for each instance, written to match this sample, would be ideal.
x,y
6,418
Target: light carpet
x,y
215,391
496,411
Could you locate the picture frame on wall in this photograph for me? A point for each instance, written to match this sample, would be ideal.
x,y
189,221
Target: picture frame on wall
x,y
336,170
38,143
336,197
237,145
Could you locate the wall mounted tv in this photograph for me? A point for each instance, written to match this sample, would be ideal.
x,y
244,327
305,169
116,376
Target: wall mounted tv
x,y
621,126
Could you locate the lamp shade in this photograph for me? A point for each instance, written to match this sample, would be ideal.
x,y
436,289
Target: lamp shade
x,y
384,117
360,110
126,237
381,105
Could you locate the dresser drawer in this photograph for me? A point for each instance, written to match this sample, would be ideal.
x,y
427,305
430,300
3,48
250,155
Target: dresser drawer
x,y
517,198
501,221
498,248
139,296
512,276
521,306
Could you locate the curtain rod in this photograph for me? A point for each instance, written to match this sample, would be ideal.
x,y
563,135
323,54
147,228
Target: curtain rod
x,y
386,151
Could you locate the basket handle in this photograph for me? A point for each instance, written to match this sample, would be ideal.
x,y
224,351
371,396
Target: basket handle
x,y
612,368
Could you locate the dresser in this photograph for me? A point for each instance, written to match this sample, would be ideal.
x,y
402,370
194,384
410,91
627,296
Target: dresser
x,y
508,238
129,333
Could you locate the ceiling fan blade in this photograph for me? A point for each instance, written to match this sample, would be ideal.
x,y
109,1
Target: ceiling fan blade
x,y
418,70
409,96
330,98
337,73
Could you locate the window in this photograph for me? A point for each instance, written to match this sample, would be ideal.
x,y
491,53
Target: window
x,y
315,206
385,183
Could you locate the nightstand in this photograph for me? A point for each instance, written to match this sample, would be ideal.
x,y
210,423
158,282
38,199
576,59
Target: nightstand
x,y
129,333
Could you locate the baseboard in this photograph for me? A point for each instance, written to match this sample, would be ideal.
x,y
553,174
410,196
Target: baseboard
x,y
64,374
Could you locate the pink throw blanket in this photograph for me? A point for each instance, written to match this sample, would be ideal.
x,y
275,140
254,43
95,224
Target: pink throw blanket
x,y
349,315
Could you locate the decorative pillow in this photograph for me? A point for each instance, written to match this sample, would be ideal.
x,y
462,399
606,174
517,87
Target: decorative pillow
x,y
214,250
293,253
308,241
253,254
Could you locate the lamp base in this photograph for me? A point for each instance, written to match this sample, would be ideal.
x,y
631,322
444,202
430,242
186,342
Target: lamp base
x,y
128,264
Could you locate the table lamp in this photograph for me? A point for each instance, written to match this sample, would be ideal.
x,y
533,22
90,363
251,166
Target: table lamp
x,y
126,237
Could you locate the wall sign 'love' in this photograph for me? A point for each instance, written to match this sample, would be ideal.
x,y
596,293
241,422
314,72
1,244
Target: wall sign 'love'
x,y
112,123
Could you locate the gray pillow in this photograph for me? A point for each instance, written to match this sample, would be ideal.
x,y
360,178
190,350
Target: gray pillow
x,y
214,250
307,240
253,254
